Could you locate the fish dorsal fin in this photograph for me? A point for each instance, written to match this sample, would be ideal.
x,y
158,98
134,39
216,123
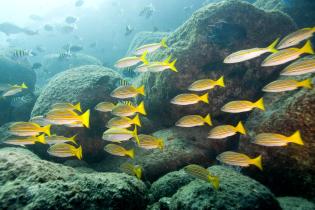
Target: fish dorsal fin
x,y
123,82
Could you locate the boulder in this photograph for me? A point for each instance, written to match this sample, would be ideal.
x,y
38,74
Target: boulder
x,y
302,11
236,191
295,203
27,182
285,113
200,46
88,85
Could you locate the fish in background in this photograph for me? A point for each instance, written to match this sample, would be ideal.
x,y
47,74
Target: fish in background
x,y
131,61
54,139
150,48
79,3
36,66
67,106
203,174
65,150
22,100
117,150
22,53
48,27
13,90
105,107
129,29
40,120
131,169
65,55
147,11
67,29
120,134
150,142
10,29
71,19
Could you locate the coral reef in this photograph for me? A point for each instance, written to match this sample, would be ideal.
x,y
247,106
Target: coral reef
x,y
295,203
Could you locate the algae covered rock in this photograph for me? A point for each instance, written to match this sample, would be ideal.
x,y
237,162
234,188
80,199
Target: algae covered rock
x,y
200,46
27,182
236,191
295,203
285,114
88,85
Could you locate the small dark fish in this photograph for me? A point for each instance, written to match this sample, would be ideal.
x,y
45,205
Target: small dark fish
x,y
21,53
147,11
48,27
79,3
68,29
65,55
75,48
129,30
36,66
71,19
9,29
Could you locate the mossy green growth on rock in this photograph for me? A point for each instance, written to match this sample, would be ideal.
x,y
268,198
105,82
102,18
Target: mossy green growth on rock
x,y
295,203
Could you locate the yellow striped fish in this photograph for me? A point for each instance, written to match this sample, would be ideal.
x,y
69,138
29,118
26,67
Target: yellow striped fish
x,y
223,131
54,139
150,48
206,84
131,61
14,89
123,122
242,106
162,66
301,66
131,169
40,120
150,142
203,174
274,139
287,55
248,54
142,68
115,149
65,150
28,129
67,106
296,37
193,120
18,141
68,117
127,110
124,92
105,107
239,159
120,134
189,98
287,85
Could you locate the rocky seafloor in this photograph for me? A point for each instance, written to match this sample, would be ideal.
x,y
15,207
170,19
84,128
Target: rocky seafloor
x,y
31,179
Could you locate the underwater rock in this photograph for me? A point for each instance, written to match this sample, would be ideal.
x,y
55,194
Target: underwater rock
x,y
200,46
285,113
53,64
27,182
302,11
13,73
295,203
88,85
236,191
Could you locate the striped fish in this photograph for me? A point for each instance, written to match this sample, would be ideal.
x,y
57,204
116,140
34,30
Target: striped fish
x,y
131,169
22,53
123,122
242,106
67,106
115,149
296,37
14,89
18,141
40,120
274,139
124,92
54,139
150,142
193,120
239,159
120,134
65,150
131,61
287,85
150,48
142,68
127,110
301,66
162,66
224,131
28,129
189,98
68,117
105,107
287,55
203,174
206,84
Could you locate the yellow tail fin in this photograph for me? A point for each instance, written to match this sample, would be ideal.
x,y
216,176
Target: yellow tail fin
x,y
240,128
140,90
161,144
296,138
78,107
204,98
78,153
208,120
172,65
24,86
306,83
163,43
41,139
259,104
307,48
220,82
138,172
141,109
272,46
257,162
136,120
130,153
85,119
215,181
143,58
46,129
135,135
167,60
72,139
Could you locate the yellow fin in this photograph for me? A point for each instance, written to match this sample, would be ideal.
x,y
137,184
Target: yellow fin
x,y
41,139
163,43
220,82
143,58
85,118
307,48
215,181
204,98
240,128
140,90
305,83
208,120
272,46
172,65
46,129
259,104
78,152
136,120
135,135
161,144
141,108
138,172
257,162
72,139
130,153
167,60
296,138
24,86
78,107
